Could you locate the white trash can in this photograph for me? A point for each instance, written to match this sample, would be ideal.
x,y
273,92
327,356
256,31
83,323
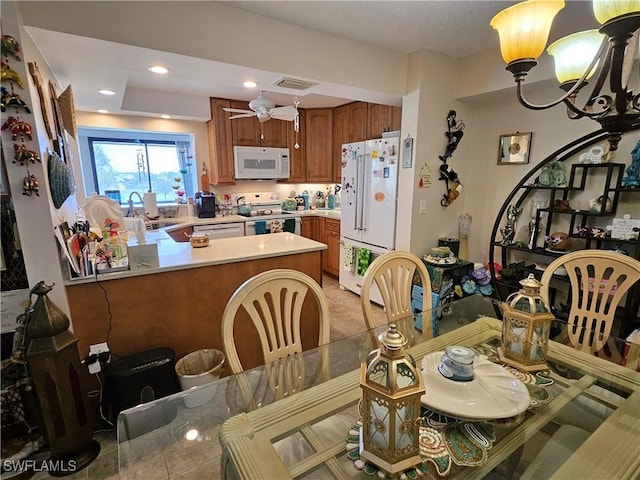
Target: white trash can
x,y
199,368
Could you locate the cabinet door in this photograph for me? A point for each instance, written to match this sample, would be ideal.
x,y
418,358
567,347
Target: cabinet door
x,y
319,153
340,137
220,144
297,160
375,124
309,227
273,133
250,132
246,131
358,121
395,122
331,257
383,118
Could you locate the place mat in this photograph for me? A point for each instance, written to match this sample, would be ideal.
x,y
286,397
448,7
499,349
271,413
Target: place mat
x,y
461,443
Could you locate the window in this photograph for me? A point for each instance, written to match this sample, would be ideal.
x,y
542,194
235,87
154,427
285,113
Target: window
x,y
117,163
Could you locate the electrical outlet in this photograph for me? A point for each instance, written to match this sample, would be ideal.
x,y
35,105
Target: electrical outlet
x,y
423,206
99,348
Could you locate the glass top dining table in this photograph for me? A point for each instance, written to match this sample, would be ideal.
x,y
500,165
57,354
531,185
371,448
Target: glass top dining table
x,y
296,418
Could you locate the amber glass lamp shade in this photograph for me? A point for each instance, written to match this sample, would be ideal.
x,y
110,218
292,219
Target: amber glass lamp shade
x,y
606,10
574,53
524,28
391,390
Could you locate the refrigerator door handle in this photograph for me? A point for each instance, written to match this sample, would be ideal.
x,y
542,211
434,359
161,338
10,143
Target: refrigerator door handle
x,y
356,220
361,192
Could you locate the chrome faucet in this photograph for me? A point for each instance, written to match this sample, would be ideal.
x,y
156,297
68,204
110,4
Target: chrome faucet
x,y
132,211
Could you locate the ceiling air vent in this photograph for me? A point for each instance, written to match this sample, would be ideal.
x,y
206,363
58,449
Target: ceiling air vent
x,y
294,83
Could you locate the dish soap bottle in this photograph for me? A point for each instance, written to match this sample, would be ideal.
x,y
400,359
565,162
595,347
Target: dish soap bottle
x,y
204,179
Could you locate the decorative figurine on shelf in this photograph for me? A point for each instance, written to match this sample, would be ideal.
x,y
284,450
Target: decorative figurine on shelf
x,y
534,224
596,204
509,230
633,170
557,242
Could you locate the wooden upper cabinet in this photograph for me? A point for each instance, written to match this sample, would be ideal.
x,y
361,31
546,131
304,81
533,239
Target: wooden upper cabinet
x,y
341,136
358,112
250,132
319,151
220,144
297,157
383,118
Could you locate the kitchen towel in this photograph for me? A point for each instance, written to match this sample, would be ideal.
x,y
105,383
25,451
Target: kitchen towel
x,y
261,227
275,226
364,258
348,257
290,225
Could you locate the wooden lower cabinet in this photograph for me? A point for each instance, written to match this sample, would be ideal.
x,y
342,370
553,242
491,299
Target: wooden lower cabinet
x,y
331,237
309,228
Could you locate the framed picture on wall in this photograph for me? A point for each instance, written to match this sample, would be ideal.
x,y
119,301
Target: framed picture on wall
x,y
514,148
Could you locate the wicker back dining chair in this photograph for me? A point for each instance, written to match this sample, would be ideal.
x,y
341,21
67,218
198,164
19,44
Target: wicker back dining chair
x,y
273,300
393,274
599,279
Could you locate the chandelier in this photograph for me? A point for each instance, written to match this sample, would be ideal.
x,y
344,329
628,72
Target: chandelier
x,y
608,52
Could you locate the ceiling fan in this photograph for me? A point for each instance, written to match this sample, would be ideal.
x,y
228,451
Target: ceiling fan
x,y
265,109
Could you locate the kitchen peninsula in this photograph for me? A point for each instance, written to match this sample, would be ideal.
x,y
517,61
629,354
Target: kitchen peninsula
x,y
180,303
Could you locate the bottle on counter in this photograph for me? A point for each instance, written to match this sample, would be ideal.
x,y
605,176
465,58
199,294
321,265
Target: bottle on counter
x,y
191,208
204,179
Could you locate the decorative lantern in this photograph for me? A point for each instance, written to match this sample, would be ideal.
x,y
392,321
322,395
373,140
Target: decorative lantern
x,y
391,390
59,381
525,328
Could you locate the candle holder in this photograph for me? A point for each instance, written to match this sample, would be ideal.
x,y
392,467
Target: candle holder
x,y
391,390
525,328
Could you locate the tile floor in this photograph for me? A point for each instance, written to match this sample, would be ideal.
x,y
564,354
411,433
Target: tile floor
x,y
346,319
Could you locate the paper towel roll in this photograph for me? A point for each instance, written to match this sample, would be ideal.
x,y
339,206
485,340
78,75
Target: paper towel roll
x,y
150,204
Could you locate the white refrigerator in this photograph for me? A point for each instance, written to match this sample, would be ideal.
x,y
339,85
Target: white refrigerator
x,y
368,204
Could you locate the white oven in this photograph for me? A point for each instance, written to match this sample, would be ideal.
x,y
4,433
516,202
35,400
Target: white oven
x,y
264,223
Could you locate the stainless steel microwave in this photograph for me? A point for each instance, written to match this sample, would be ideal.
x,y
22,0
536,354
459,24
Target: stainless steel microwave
x,y
260,163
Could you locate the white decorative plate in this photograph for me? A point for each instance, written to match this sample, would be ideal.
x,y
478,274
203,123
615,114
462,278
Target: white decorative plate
x,y
492,394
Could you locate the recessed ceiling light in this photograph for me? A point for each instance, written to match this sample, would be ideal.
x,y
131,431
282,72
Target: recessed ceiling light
x,y
165,116
159,69
250,84
103,111
105,91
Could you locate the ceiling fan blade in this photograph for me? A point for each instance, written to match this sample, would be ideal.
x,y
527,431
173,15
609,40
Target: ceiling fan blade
x,y
237,110
243,115
284,113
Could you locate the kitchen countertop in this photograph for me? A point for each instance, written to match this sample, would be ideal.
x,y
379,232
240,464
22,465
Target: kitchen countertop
x,y
181,255
318,212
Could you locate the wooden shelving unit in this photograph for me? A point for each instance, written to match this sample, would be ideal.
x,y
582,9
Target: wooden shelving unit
x,y
546,220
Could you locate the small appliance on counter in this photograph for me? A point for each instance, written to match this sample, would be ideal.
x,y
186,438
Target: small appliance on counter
x,y
205,204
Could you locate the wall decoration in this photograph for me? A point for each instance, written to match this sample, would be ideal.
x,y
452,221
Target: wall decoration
x,y
454,134
407,152
37,81
514,148
426,178
60,179
21,131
